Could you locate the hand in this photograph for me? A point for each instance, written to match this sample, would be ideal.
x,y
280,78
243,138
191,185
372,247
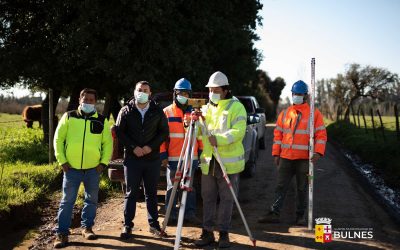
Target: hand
x,y
315,157
213,140
277,160
138,151
66,167
186,120
100,168
164,163
146,150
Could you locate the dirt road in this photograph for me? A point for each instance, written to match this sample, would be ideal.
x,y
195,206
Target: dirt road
x,y
338,196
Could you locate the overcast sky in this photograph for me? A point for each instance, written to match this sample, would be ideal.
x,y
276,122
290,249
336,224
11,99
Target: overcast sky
x,y
336,33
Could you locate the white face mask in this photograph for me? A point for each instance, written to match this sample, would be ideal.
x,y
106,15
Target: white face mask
x,y
87,108
181,99
141,97
214,97
297,99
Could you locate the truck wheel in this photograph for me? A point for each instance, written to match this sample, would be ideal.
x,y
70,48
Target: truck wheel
x,y
261,143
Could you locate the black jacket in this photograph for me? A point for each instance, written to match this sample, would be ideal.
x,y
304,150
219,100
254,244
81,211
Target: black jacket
x,y
132,133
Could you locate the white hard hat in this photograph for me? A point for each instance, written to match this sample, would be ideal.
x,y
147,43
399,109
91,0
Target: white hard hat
x,y
218,79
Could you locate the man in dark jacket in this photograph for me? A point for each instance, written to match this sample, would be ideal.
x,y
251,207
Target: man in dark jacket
x,y
141,127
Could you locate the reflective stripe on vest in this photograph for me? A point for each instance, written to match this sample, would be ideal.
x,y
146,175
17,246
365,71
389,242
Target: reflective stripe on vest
x,y
177,135
177,158
239,118
320,142
320,128
295,146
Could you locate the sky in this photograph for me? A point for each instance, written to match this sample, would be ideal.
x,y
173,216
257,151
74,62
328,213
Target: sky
x,y
336,33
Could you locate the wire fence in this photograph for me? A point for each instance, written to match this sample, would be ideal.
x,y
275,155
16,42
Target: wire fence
x,y
371,118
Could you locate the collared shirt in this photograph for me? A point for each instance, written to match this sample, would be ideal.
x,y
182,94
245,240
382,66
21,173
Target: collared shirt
x,y
144,110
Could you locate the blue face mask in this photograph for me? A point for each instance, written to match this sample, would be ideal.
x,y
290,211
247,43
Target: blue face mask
x,y
141,97
214,97
88,108
181,99
297,99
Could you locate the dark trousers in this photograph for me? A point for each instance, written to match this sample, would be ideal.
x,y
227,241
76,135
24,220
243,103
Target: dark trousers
x,y
136,171
288,169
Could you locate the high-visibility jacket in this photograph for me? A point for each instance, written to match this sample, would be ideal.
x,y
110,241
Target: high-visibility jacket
x,y
171,148
292,133
83,142
227,122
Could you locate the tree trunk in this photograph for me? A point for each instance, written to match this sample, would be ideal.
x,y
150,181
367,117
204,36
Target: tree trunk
x,y
115,108
45,114
74,99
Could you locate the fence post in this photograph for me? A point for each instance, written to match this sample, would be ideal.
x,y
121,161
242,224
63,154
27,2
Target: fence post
x,y
396,114
373,123
382,128
358,116
365,122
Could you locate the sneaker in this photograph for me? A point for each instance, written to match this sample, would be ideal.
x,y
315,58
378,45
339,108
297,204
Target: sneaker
x,y
301,220
206,239
270,217
223,241
88,234
156,231
126,233
60,241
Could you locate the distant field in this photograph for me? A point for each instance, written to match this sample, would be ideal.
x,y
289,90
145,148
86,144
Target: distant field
x,y
389,122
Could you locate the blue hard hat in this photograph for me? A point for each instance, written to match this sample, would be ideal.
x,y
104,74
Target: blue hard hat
x,y
300,87
183,84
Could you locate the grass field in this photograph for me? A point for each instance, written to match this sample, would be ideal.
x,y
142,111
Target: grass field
x,y
25,175
389,122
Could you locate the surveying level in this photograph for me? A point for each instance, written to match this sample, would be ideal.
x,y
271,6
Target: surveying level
x,y
184,172
197,103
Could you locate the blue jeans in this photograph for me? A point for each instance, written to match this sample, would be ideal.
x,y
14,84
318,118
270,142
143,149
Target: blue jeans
x,y
135,171
71,182
190,209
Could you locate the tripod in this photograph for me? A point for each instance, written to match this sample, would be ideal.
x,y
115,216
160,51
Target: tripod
x,y
183,176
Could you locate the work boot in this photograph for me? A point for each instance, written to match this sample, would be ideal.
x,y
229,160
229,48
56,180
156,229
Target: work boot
x,y
301,220
270,217
156,231
60,241
126,233
88,234
223,241
206,239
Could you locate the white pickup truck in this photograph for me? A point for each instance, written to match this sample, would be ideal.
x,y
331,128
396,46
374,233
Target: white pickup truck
x,y
253,108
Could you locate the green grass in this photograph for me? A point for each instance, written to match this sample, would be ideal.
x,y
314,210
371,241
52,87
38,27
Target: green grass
x,y
389,122
25,175
383,154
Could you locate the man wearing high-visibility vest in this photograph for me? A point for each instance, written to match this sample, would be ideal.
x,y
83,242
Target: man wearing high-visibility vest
x,y
83,147
291,151
226,122
178,115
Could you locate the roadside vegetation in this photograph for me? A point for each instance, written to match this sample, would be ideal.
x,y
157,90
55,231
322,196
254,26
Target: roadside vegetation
x,y
382,152
25,175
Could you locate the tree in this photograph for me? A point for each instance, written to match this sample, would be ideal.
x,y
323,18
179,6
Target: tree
x,y
107,45
367,82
